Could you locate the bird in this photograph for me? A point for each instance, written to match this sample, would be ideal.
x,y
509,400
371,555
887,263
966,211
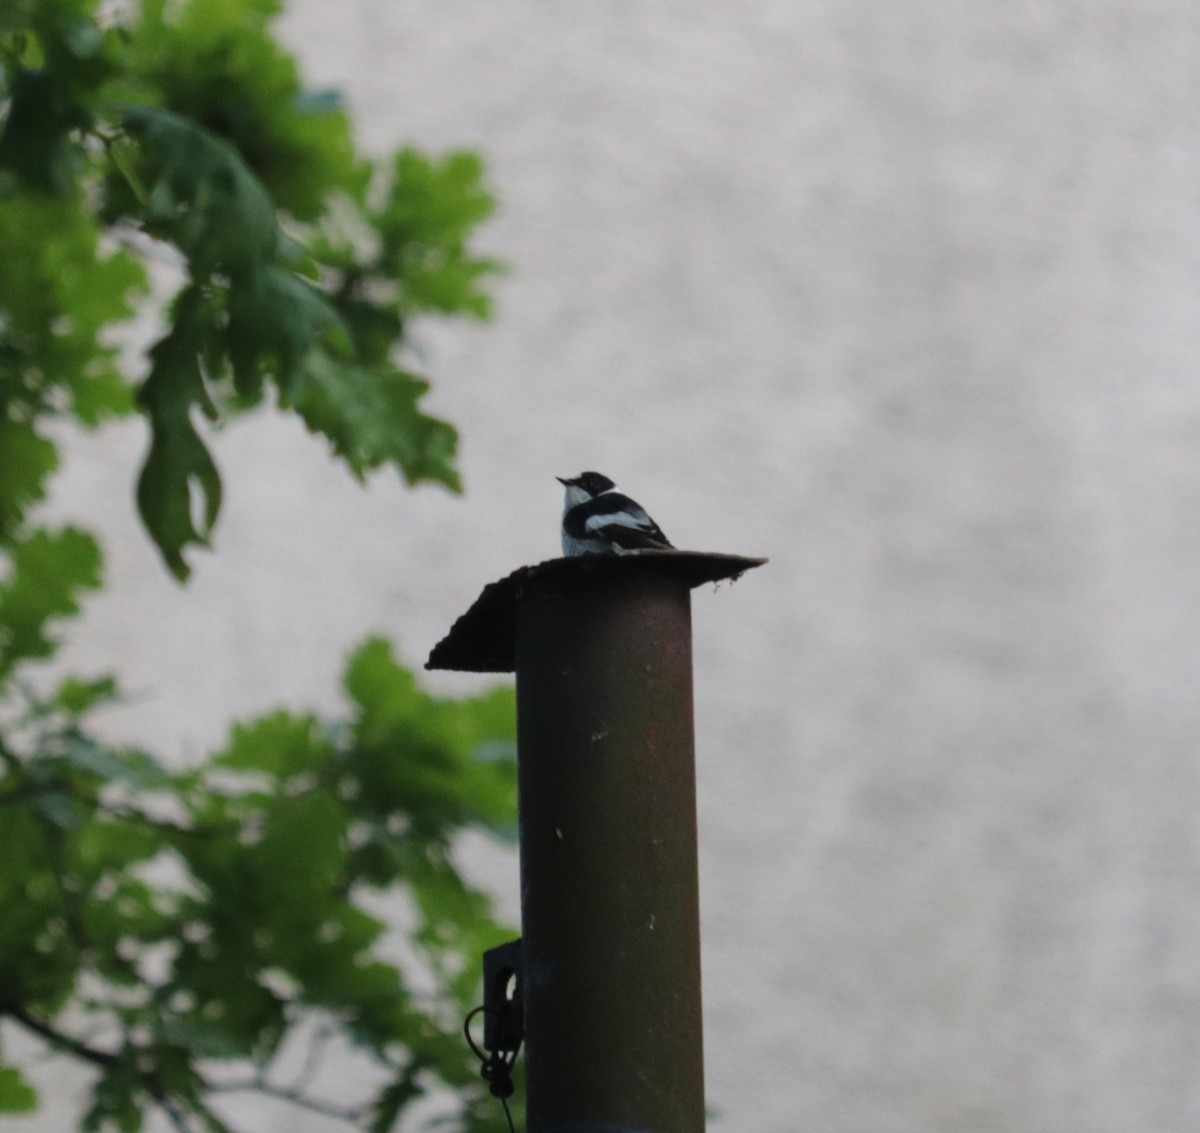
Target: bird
x,y
600,521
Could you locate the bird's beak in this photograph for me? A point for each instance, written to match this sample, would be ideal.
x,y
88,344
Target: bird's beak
x,y
565,483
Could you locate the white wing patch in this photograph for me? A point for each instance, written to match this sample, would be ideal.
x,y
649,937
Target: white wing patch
x,y
637,520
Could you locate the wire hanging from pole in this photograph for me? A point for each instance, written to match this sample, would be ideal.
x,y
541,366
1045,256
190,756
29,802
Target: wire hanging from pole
x,y
496,1067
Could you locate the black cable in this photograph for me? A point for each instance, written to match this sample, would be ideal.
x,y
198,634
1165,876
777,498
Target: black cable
x,y
494,1068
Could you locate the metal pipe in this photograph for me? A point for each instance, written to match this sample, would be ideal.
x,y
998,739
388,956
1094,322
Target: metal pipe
x,y
610,964
609,890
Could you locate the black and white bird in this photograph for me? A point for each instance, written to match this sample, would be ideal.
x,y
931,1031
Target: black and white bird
x,y
600,521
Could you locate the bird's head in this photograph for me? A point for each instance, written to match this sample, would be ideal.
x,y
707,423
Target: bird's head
x,y
593,483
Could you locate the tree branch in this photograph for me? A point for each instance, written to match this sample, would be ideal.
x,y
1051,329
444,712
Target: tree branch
x,y
349,1114
56,1038
175,1113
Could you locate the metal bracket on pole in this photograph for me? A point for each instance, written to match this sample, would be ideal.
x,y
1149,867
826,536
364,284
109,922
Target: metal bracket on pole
x,y
503,1021
503,1009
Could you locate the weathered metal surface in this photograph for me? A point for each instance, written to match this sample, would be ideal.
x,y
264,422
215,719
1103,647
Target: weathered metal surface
x,y
609,894
483,639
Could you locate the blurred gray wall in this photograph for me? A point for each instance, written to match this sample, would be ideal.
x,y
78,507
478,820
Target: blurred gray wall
x,y
904,296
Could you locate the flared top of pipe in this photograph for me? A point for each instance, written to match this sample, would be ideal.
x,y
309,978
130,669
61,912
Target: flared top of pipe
x,y
483,640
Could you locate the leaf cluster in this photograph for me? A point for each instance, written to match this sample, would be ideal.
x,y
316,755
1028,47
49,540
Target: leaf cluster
x,y
216,917
182,133
184,934
219,917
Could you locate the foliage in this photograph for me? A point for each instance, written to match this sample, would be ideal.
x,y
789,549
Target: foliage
x,y
189,934
184,133
214,917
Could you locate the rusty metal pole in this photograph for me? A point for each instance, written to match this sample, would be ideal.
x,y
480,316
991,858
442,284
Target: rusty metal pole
x,y
610,979
609,889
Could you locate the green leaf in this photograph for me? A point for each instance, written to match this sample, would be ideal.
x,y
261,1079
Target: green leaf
x,y
16,1095
112,845
215,62
34,956
76,696
300,855
219,974
58,295
202,197
117,1099
35,144
373,417
275,317
26,459
431,209
101,395
47,570
131,913
59,807
449,774
281,745
385,692
64,61
178,463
